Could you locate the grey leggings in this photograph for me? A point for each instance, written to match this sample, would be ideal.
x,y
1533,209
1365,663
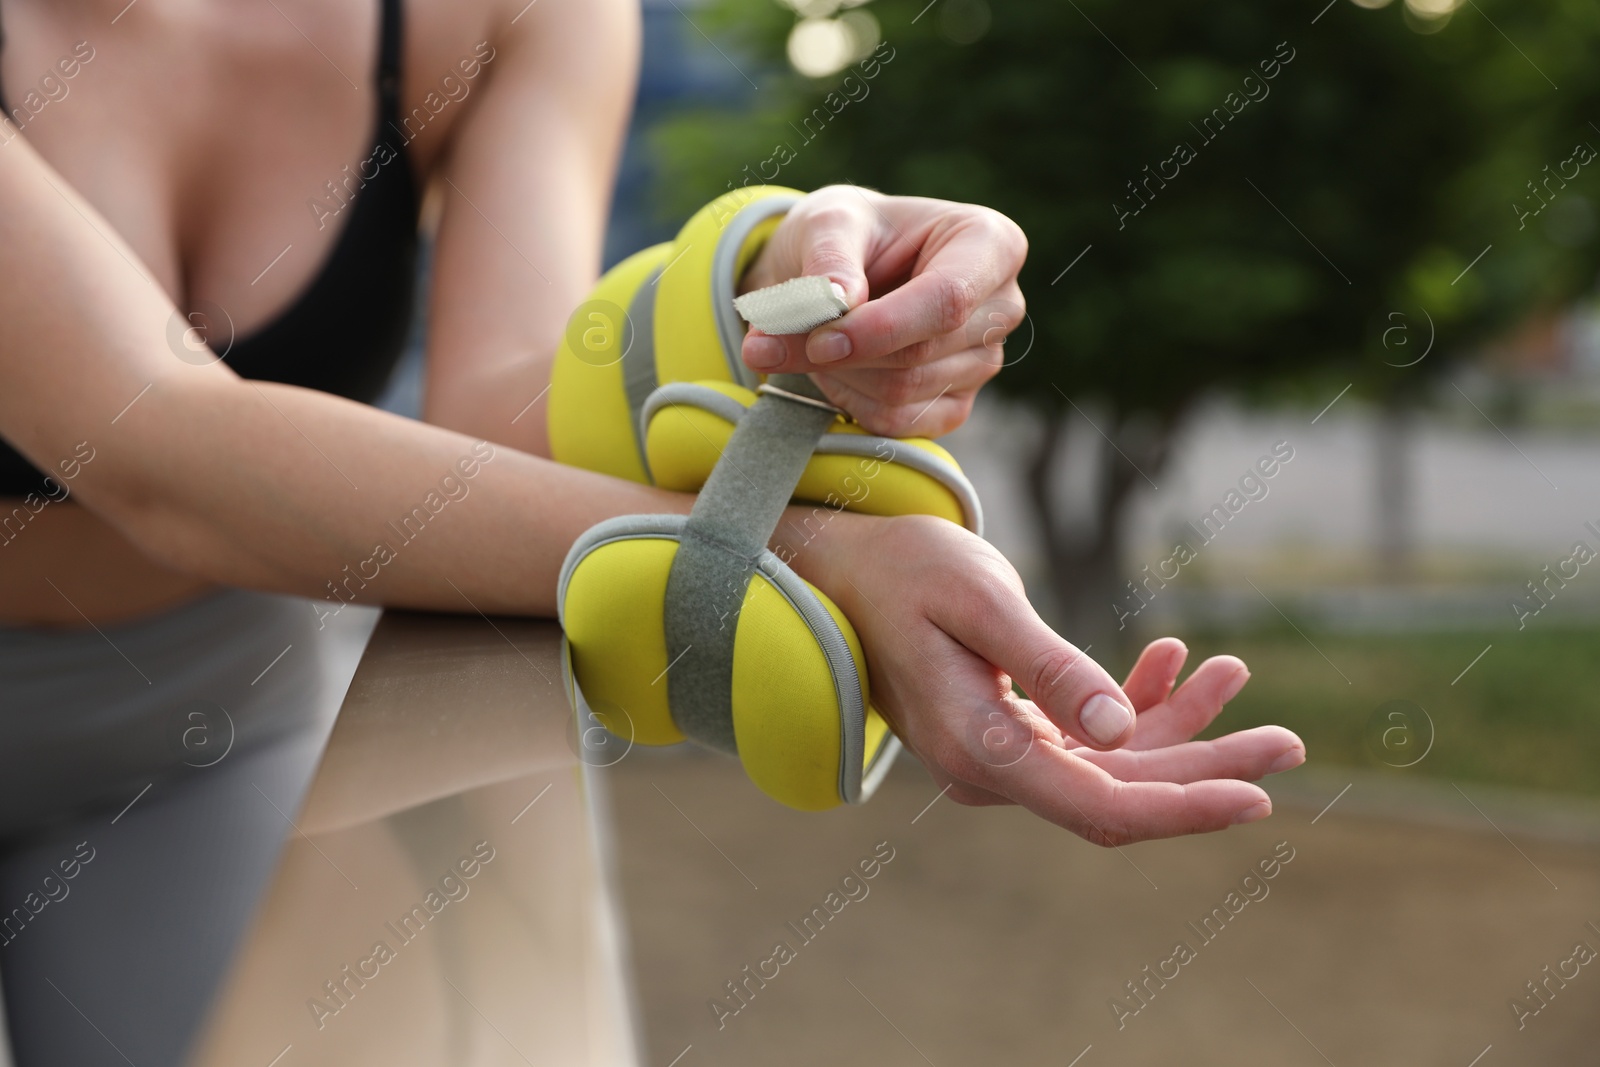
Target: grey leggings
x,y
148,774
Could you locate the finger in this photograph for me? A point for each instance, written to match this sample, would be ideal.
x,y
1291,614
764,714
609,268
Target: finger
x,y
996,622
922,401
982,338
957,272
766,353
1153,676
969,795
934,418
996,319
983,334
1072,792
834,243
1195,704
960,371
1248,755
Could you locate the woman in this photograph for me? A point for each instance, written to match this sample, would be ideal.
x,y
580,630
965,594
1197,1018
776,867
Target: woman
x,y
183,180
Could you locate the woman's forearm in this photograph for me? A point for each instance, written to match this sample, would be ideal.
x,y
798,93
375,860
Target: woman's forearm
x,y
295,491
292,490
506,402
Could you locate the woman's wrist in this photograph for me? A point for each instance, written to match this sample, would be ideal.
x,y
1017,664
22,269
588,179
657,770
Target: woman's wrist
x,y
819,543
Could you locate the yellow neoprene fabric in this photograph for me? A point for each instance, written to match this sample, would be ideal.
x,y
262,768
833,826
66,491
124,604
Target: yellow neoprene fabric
x,y
785,709
688,345
785,705
615,626
591,425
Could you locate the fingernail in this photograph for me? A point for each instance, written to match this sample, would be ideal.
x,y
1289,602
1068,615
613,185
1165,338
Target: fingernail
x,y
1292,758
829,346
1235,684
1103,719
1254,813
763,353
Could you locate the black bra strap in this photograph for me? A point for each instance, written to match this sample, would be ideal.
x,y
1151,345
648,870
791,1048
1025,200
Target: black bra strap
x,y
390,44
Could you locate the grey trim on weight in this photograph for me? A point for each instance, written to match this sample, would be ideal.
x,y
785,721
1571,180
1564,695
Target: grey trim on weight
x,y
846,681
705,397
616,528
730,327
639,373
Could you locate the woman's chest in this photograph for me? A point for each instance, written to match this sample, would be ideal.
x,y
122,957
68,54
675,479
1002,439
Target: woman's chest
x,y
225,142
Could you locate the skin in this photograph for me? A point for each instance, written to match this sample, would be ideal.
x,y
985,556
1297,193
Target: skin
x,y
911,361
201,478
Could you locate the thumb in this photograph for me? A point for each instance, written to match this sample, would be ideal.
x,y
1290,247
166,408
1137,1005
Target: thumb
x,y
834,245
836,249
831,245
1071,689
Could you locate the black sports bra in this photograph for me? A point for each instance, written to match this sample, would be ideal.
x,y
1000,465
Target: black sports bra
x,y
345,331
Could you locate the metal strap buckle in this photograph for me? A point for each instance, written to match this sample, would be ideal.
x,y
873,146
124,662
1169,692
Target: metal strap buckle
x,y
773,390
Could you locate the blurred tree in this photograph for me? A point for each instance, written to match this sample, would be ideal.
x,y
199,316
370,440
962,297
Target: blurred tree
x,y
1274,199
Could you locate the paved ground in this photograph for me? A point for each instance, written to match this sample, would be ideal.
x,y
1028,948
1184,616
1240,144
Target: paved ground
x,y
993,938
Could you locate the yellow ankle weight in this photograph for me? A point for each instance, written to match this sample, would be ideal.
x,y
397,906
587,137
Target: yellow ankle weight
x,y
689,627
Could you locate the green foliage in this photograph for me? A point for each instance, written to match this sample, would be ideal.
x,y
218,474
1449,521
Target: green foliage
x,y
1398,154
1522,716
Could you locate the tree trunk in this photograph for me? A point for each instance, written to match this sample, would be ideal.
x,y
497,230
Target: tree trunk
x,y
1392,481
1087,573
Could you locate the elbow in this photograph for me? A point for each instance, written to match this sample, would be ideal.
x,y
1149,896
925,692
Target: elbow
x,y
172,537
167,530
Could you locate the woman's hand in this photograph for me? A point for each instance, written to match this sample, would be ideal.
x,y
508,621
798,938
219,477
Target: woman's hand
x,y
932,287
946,628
